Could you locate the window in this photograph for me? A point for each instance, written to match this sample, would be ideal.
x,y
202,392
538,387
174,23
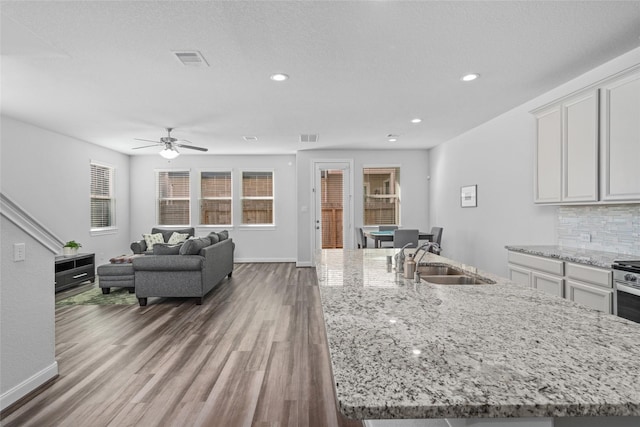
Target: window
x,y
381,189
215,198
173,197
257,198
102,197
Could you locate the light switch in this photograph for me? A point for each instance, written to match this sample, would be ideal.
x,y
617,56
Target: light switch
x,y
18,252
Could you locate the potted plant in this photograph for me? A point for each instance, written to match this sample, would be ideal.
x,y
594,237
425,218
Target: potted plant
x,y
71,248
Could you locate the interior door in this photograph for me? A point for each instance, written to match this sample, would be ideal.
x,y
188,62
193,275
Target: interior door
x,y
332,200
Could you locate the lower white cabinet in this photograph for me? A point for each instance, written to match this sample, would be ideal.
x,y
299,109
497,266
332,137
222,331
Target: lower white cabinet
x,y
553,285
591,296
590,286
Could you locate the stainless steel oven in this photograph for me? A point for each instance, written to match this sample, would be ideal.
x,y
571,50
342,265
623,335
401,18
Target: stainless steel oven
x,y
626,279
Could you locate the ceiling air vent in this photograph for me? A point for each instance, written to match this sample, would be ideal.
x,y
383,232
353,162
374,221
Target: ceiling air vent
x,y
191,58
308,137
250,138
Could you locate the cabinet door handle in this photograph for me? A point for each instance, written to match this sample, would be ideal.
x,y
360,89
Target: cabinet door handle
x,y
77,276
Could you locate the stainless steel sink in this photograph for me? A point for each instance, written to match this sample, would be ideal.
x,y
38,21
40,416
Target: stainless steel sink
x,y
437,270
455,280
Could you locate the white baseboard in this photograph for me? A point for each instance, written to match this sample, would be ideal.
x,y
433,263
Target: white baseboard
x,y
16,393
246,260
305,264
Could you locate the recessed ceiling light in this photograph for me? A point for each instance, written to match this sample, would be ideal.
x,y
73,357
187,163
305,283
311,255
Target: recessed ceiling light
x,y
392,138
416,120
279,77
250,138
470,77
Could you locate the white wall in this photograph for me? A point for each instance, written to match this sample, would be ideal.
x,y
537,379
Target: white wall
x,y
27,323
498,157
414,172
253,244
48,175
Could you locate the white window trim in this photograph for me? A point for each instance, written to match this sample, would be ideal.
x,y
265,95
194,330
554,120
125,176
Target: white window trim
x,y
113,228
200,198
265,226
157,199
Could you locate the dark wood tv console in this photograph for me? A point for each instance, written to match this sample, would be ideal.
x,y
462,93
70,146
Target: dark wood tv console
x,y
75,269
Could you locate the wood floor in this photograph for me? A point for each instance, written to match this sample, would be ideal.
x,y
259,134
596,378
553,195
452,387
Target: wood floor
x,y
254,354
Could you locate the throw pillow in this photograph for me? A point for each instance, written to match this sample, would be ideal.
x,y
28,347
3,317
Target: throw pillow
x,y
152,239
177,238
214,237
223,235
166,249
193,246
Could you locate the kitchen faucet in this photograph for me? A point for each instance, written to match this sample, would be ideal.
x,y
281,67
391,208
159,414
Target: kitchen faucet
x,y
429,245
400,258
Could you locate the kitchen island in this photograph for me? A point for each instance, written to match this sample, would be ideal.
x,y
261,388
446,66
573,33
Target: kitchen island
x,y
405,350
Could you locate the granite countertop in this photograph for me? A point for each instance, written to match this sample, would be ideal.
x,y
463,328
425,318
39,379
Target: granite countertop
x,y
577,255
406,350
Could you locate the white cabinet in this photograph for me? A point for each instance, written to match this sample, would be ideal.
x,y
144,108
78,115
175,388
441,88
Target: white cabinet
x,y
590,286
548,163
566,164
620,136
588,144
580,148
540,273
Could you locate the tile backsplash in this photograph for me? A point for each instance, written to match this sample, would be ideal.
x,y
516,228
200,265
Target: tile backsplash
x,y
613,228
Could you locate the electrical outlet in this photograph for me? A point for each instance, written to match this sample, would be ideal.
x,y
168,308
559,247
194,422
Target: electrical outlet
x,y
585,237
18,252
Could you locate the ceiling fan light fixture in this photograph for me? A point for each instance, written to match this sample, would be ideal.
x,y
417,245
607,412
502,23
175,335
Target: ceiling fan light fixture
x,y
169,153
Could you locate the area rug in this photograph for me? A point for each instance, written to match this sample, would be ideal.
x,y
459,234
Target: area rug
x,y
94,296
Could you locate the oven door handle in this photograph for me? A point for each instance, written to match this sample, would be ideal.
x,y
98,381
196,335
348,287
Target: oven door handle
x,y
627,289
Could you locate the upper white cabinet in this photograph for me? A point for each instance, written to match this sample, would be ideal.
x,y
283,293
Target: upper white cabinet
x,y
620,136
580,148
588,144
548,167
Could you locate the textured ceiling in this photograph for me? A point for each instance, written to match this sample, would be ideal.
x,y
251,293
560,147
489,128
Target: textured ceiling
x,y
104,72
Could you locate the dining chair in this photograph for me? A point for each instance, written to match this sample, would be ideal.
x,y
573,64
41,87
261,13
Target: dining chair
x,y
406,235
437,236
362,239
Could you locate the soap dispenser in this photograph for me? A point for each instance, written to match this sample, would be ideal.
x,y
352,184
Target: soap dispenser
x,y
409,267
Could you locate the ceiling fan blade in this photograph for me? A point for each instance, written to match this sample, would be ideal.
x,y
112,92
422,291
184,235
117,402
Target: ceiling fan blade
x,y
144,146
185,140
148,140
191,147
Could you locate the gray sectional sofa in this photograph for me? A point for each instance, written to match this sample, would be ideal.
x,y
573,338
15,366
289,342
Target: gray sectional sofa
x,y
190,269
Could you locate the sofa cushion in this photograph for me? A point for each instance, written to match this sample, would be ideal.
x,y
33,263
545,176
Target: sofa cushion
x,y
166,249
223,235
193,246
152,239
177,238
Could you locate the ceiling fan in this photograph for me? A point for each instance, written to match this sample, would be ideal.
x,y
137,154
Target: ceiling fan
x,y
170,143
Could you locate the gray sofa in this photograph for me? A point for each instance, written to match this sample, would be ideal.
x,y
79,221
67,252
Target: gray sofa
x,y
140,247
195,270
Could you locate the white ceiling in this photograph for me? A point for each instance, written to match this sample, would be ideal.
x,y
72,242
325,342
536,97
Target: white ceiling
x,y
104,72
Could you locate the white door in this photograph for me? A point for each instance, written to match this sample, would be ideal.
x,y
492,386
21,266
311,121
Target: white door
x,y
332,220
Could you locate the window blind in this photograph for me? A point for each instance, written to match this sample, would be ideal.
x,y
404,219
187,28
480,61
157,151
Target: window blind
x,y
215,198
257,197
381,196
102,200
173,197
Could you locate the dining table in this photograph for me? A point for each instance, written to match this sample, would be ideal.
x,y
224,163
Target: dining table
x,y
387,236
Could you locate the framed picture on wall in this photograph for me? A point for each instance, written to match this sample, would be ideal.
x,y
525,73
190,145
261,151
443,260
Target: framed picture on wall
x,y
468,196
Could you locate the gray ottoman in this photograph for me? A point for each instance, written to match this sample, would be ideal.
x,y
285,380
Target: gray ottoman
x,y
116,276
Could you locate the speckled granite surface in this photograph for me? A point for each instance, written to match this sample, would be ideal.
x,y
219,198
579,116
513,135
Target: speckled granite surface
x,y
405,350
580,256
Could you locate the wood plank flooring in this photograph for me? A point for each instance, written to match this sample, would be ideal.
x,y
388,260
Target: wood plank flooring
x,y
254,354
